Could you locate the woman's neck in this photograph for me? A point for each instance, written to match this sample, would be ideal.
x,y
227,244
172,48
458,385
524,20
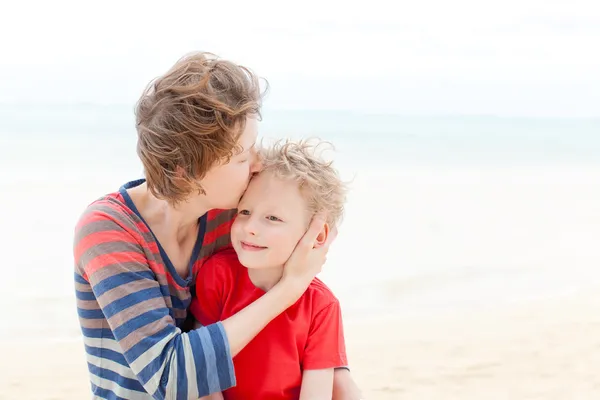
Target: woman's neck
x,y
175,228
265,278
171,221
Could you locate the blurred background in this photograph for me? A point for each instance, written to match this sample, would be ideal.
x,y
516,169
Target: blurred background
x,y
468,264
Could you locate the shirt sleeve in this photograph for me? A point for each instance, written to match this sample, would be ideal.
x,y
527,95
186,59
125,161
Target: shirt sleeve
x,y
212,284
325,346
169,364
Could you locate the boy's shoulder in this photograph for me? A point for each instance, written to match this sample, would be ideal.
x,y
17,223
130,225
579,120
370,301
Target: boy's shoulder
x,y
225,257
222,265
319,295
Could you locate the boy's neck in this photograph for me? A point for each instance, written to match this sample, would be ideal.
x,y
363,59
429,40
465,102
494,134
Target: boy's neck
x,y
265,278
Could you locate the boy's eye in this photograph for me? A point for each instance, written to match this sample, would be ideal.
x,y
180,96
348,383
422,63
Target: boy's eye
x,y
273,218
244,212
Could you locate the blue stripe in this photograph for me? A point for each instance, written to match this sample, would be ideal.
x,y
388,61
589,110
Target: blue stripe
x,y
120,279
105,393
107,354
141,320
222,357
85,295
164,289
90,314
161,392
146,343
127,383
182,379
199,362
178,303
97,333
197,248
131,300
80,279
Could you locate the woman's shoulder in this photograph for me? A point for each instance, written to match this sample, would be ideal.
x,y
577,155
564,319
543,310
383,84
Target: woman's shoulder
x,y
108,224
108,241
107,211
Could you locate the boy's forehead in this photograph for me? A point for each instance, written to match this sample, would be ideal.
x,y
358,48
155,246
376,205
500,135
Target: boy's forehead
x,y
263,184
267,188
256,188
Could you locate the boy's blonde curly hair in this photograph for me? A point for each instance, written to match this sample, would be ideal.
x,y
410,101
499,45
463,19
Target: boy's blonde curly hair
x,y
319,181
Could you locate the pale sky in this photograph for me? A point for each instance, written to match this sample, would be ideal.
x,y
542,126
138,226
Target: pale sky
x,y
511,57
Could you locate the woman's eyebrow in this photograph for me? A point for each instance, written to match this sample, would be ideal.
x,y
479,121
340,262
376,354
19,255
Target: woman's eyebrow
x,y
249,148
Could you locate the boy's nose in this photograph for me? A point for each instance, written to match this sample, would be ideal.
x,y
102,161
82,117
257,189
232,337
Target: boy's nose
x,y
250,227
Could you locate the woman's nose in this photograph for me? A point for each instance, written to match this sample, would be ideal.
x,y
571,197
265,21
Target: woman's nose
x,y
256,163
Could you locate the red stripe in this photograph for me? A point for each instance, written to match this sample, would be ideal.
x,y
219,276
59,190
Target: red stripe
x,y
103,260
98,238
93,216
97,215
223,229
212,214
142,227
172,282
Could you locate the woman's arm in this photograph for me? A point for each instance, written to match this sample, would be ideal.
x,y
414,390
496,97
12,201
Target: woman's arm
x,y
317,384
214,396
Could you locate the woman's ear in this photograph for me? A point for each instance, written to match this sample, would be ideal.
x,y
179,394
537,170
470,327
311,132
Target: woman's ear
x,y
323,235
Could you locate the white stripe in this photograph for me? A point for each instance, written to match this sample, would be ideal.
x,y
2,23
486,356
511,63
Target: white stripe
x,y
105,363
190,367
149,355
118,390
171,390
105,343
154,382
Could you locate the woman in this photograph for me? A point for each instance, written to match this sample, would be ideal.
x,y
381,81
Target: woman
x,y
136,250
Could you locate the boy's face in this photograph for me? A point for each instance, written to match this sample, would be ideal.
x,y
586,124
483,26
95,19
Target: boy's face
x,y
272,217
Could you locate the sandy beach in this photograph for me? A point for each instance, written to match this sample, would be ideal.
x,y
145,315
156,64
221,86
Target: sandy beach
x,y
549,349
545,350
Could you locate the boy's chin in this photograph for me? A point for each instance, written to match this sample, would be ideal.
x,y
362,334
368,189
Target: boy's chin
x,y
256,264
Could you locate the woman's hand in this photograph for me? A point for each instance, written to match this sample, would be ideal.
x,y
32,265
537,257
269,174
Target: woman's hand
x,y
307,259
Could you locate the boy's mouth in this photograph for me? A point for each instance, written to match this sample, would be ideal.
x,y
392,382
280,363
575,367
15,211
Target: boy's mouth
x,y
250,246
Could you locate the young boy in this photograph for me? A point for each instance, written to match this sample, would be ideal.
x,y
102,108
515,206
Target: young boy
x,y
294,356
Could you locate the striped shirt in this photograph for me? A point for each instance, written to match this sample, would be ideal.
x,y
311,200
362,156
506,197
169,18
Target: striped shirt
x,y
132,304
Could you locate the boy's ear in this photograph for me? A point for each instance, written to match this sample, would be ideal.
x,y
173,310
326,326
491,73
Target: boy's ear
x,y
323,235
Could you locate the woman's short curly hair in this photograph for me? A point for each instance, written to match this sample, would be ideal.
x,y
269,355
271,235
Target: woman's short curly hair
x,y
190,119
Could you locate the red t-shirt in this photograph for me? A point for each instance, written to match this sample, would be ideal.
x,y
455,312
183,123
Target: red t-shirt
x,y
308,335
